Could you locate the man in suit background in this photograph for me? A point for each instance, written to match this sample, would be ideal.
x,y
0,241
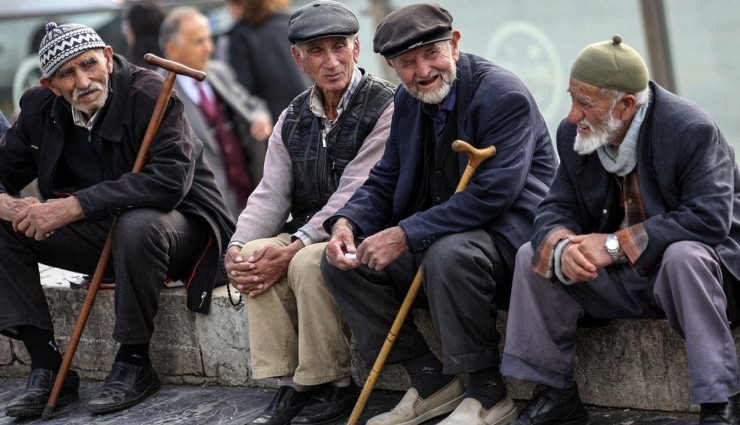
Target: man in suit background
x,y
233,124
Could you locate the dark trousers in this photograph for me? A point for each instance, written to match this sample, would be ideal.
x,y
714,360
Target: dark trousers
x,y
148,246
462,273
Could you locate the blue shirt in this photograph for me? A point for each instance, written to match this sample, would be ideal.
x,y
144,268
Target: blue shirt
x,y
439,114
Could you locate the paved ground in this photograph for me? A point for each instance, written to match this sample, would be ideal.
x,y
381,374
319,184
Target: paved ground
x,y
203,405
235,405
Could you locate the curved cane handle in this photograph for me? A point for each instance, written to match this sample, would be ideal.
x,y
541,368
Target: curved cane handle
x,y
175,67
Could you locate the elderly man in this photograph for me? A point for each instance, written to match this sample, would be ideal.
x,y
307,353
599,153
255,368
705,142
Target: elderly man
x,y
406,215
79,133
322,149
233,124
642,220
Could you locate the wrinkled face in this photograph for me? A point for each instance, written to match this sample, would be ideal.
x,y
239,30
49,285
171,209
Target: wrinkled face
x,y
329,62
428,71
594,114
83,80
193,45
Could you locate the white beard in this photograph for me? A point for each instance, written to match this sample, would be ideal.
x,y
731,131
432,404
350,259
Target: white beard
x,y
601,134
437,96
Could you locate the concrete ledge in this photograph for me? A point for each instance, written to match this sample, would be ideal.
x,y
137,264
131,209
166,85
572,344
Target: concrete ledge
x,y
638,364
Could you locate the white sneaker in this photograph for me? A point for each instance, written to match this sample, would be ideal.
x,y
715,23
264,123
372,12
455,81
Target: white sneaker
x,y
470,412
413,410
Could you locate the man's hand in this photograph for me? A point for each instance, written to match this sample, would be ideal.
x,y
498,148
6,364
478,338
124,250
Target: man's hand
x,y
267,266
341,251
236,268
584,256
40,220
10,206
261,128
382,248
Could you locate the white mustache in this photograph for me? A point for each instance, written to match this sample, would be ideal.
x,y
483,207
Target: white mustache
x,y
431,75
81,92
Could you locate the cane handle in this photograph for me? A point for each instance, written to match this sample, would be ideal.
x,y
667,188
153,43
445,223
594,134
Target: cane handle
x,y
175,67
475,156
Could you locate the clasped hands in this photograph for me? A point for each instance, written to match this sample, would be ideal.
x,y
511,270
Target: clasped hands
x,y
265,267
376,251
584,256
37,219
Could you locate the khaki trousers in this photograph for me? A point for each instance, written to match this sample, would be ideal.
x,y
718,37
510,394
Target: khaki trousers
x,y
295,328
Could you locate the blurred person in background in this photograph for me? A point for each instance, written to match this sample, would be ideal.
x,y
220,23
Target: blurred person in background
x,y
233,124
4,124
258,50
141,23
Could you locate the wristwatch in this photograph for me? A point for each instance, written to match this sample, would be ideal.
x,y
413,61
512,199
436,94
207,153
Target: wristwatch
x,y
612,247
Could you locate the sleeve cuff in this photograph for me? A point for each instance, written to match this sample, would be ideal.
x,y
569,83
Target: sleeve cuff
x,y
557,266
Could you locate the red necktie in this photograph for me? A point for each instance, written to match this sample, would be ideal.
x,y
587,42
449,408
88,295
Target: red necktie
x,y
232,152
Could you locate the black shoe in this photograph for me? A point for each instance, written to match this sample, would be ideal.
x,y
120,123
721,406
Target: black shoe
x,y
126,385
548,407
328,404
34,398
721,413
286,404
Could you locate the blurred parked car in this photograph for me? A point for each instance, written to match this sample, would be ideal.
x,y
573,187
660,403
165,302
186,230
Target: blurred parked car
x,y
22,28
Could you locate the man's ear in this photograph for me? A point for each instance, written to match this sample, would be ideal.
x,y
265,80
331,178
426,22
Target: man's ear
x,y
297,58
46,82
108,53
626,107
453,42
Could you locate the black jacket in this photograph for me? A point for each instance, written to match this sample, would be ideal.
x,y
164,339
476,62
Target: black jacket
x,y
174,176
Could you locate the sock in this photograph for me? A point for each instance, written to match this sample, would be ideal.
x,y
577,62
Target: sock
x,y
135,354
287,381
426,374
342,382
560,392
486,386
41,347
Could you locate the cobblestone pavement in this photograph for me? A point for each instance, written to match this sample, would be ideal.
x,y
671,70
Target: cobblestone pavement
x,y
203,405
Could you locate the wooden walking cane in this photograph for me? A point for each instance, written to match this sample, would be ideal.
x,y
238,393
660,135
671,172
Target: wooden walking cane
x,y
475,158
174,68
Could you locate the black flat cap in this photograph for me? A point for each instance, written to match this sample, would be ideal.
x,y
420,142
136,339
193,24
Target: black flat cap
x,y
410,27
320,19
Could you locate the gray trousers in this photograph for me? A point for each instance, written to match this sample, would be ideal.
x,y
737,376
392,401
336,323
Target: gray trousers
x,y
686,289
148,246
461,275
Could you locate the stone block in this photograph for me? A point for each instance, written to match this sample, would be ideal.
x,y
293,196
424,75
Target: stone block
x,y
223,336
635,364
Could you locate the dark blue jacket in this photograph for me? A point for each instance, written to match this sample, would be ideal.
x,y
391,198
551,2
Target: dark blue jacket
x,y
689,185
494,108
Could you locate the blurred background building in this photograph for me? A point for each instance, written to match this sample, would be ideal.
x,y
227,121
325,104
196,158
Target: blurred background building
x,y
690,45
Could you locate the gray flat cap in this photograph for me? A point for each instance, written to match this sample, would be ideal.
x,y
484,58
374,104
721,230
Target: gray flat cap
x,y
410,27
321,19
